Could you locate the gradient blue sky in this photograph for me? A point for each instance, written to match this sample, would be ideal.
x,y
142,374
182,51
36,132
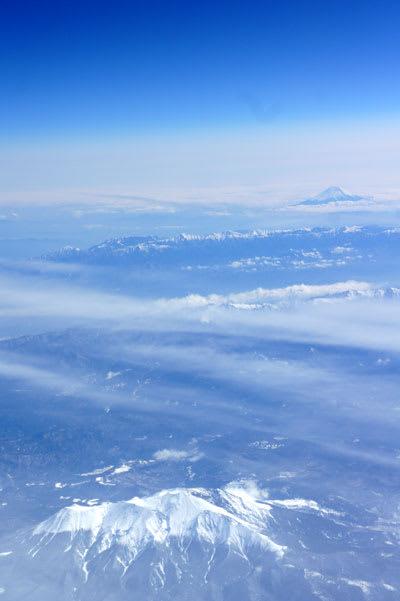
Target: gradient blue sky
x,y
82,76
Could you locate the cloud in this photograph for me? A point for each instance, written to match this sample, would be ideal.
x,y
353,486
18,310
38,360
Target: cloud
x,y
36,266
225,363
296,292
247,488
203,357
175,455
355,314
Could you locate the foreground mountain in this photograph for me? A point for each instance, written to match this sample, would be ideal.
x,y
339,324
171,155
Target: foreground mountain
x,y
182,544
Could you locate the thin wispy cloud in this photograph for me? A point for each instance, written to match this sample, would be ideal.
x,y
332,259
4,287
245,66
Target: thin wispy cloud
x,y
314,314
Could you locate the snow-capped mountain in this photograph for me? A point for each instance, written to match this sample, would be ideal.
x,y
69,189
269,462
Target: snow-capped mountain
x,y
155,547
171,519
202,544
333,194
176,544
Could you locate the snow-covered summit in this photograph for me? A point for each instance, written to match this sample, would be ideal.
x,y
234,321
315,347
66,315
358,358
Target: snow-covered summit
x,y
217,517
179,543
333,194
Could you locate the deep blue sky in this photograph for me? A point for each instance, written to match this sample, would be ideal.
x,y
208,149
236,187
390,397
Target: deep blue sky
x,y
149,98
80,68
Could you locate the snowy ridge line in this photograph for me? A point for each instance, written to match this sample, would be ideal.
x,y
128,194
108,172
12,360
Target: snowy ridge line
x,y
130,242
134,244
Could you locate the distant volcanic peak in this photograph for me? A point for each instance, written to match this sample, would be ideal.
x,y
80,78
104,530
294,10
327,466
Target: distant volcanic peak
x,y
333,194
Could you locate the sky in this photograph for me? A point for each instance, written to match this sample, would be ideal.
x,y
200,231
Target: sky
x,y
141,94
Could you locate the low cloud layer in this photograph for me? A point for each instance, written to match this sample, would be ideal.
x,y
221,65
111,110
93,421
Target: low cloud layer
x,y
355,314
176,455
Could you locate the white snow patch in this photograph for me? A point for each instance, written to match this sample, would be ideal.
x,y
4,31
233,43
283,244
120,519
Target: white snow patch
x,y
362,584
120,470
265,445
100,470
300,504
112,374
389,587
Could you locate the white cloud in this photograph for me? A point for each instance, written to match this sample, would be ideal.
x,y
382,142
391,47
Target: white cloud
x,y
299,291
357,313
176,455
247,488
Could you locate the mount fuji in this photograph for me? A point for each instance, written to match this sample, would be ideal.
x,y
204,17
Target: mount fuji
x,y
332,194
